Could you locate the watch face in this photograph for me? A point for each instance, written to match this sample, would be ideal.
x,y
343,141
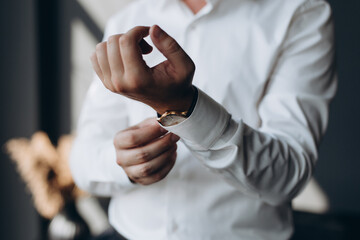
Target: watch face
x,y
171,120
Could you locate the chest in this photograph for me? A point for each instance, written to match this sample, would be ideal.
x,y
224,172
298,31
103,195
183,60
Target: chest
x,y
234,56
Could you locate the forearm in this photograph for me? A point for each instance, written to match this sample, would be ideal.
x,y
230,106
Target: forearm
x,y
260,163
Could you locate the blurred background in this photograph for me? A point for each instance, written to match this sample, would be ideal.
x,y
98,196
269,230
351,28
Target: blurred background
x,y
45,72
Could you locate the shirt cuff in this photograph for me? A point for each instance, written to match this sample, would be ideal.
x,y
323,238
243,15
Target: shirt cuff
x,y
205,125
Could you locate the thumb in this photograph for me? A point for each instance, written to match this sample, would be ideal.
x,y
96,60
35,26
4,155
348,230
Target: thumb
x,y
168,46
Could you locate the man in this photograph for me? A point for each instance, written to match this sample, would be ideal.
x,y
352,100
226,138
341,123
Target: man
x,y
249,130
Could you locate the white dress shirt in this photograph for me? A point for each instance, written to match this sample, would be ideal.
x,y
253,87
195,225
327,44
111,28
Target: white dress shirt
x,y
264,70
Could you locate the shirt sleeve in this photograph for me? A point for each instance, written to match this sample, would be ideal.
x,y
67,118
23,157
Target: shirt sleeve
x,y
93,158
275,161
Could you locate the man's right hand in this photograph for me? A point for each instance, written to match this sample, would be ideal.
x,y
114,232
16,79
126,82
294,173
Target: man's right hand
x,y
146,152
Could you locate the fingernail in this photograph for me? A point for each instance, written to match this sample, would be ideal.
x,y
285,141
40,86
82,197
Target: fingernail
x,y
175,138
158,32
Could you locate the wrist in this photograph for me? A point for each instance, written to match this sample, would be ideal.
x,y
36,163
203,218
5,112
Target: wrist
x,y
173,117
180,103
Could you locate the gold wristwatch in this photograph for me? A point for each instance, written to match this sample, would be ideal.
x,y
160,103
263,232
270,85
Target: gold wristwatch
x,y
170,118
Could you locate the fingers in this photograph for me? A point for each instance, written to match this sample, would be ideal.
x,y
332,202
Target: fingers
x,y
146,153
130,50
147,122
168,46
114,57
102,57
108,58
140,135
153,154
96,66
155,170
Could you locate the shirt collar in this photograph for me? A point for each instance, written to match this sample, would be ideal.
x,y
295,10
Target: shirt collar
x,y
162,4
